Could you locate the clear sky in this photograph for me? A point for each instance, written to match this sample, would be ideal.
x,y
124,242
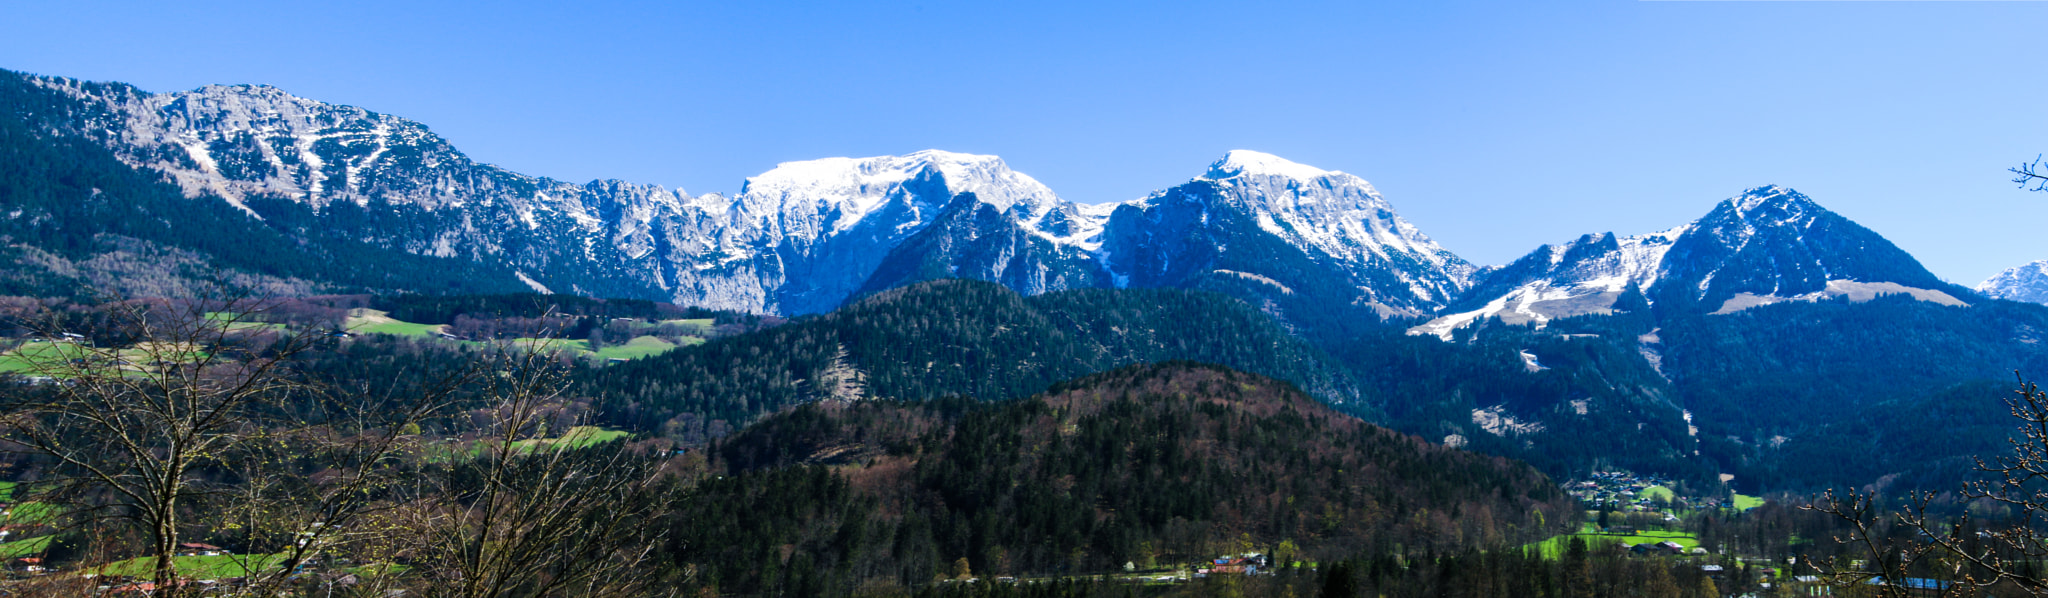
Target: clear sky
x,y
1494,126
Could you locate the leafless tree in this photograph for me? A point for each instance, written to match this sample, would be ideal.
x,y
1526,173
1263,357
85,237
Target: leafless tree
x,y
318,488
130,430
194,420
519,514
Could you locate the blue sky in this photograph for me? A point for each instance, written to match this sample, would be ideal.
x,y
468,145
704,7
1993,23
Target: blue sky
x,y
1494,126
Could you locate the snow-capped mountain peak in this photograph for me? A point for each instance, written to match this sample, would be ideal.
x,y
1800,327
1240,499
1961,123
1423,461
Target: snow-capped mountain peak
x,y
799,238
1771,205
1339,215
855,187
2028,282
1770,244
1238,163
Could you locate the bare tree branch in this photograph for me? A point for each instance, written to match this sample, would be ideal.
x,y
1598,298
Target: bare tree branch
x,y
2031,174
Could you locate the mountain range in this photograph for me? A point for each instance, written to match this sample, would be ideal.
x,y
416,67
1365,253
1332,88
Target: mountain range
x,y
1728,338
806,236
1770,244
801,238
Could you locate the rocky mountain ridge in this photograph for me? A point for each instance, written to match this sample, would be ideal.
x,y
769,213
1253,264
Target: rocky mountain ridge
x,y
807,236
1769,245
2027,282
801,238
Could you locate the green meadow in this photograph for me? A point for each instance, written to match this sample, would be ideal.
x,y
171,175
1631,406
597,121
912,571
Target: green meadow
x,y
196,567
1555,546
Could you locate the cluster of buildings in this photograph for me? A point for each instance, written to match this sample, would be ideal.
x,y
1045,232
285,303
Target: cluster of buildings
x,y
1250,563
1622,490
1618,489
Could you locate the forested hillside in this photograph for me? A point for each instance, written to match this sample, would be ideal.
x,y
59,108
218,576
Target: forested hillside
x,y
1152,465
1782,393
952,338
1571,398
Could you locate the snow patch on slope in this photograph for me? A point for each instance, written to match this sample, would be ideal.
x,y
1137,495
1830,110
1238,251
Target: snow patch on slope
x,y
1857,292
1257,278
532,284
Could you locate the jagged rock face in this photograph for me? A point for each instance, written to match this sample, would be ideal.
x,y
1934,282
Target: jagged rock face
x,y
1342,220
2025,283
801,238
1768,245
1585,276
392,180
797,239
972,239
809,234
1269,227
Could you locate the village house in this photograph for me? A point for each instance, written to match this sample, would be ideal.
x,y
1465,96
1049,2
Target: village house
x,y
1916,586
197,549
1243,564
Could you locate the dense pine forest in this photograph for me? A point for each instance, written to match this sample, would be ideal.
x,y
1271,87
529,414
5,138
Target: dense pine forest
x,y
1151,466
955,338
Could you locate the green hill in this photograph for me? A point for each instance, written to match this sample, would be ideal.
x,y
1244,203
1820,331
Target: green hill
x,y
1155,465
952,338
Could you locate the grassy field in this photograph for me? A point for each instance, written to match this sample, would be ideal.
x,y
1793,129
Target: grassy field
x,y
640,346
576,438
30,513
22,548
143,353
223,316
377,322
1655,492
198,567
52,359
1744,502
559,344
1555,546
30,356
